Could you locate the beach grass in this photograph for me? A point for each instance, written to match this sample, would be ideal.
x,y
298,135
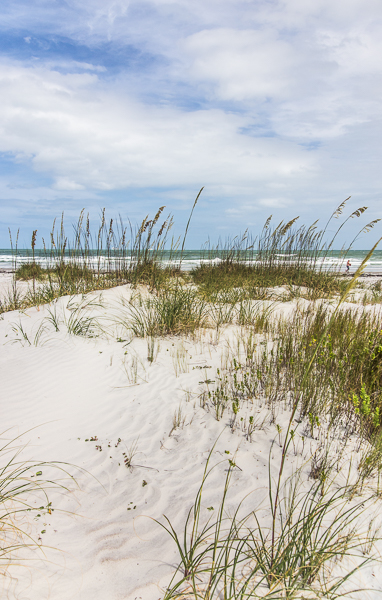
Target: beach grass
x,y
115,254
308,530
323,364
291,556
22,483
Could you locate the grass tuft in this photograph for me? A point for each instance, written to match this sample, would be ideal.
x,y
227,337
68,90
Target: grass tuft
x,y
237,557
21,483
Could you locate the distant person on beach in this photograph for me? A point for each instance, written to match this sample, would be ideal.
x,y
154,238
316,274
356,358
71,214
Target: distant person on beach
x,y
348,265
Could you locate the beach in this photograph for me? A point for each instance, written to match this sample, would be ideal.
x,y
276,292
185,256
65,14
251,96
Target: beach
x,y
126,425
190,300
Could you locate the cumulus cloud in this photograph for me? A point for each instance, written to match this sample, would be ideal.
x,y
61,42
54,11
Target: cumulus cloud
x,y
243,64
74,128
276,104
315,89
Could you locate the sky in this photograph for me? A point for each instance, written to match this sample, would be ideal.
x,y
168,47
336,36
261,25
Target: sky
x,y
274,106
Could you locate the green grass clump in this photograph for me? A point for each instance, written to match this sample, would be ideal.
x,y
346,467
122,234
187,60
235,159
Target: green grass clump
x,y
344,387
152,274
250,279
175,309
251,557
348,363
72,272
30,270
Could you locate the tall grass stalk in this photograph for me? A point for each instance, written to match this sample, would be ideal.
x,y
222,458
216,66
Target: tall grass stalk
x,y
81,321
283,255
187,226
93,262
14,301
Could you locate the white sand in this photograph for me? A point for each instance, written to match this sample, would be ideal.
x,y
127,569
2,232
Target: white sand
x,y
101,542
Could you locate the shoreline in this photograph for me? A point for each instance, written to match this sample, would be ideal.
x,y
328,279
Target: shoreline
x,y
364,274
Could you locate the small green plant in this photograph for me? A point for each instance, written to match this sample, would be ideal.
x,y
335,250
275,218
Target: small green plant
x,y
218,399
21,484
130,454
53,317
23,337
293,438
237,558
30,270
21,334
251,428
153,348
363,407
81,321
321,467
178,420
180,359
314,421
134,369
235,410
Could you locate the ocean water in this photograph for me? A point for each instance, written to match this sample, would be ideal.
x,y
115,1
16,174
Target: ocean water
x,y
192,258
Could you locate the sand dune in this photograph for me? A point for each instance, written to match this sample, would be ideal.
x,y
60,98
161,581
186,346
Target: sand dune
x,y
101,542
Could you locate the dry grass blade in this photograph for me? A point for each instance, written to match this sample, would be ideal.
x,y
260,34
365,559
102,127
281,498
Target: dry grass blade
x,y
188,224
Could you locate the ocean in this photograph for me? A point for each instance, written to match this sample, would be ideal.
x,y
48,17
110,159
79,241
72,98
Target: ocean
x,y
193,258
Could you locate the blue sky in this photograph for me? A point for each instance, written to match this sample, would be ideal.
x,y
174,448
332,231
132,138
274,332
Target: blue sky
x,y
273,106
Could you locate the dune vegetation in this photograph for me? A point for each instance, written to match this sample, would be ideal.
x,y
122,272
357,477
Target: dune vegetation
x,y
321,360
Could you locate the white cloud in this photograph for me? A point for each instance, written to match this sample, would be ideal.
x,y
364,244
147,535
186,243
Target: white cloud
x,y
244,64
84,135
315,88
63,183
274,202
274,104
